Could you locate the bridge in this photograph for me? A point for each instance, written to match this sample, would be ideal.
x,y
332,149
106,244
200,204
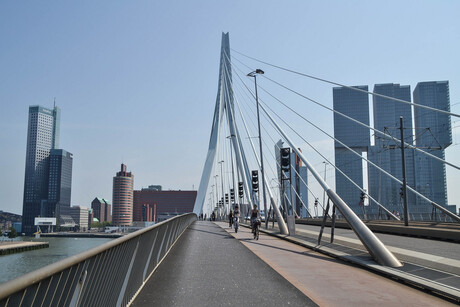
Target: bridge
x,y
309,253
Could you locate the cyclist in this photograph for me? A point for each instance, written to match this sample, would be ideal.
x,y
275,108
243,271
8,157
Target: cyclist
x,y
236,216
230,219
254,215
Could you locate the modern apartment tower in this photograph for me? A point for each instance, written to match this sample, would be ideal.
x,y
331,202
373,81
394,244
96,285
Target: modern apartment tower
x,y
59,184
433,134
123,184
354,104
386,153
42,136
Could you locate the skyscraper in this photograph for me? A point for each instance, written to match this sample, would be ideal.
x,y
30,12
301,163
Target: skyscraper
x,y
433,134
354,104
59,184
386,153
42,136
122,198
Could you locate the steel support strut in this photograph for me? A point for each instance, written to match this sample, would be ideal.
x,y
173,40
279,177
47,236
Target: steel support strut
x,y
374,246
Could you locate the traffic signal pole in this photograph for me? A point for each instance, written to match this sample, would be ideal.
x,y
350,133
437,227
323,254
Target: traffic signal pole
x,y
404,185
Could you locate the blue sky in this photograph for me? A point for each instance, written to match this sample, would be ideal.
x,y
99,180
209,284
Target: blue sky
x,y
137,80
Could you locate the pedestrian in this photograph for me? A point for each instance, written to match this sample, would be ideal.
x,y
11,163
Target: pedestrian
x,y
205,216
230,219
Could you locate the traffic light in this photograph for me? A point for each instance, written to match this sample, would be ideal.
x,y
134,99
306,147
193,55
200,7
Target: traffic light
x,y
363,196
226,198
232,195
285,154
255,181
240,189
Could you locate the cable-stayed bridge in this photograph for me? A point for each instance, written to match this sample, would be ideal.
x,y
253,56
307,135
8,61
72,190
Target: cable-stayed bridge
x,y
260,156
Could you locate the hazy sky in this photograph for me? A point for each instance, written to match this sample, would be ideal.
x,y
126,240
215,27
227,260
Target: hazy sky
x,y
136,81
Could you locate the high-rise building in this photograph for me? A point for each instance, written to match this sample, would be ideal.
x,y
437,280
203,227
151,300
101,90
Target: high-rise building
x,y
42,136
102,209
433,134
386,153
354,104
59,184
123,197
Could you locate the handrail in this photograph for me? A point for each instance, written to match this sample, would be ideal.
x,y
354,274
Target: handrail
x,y
122,258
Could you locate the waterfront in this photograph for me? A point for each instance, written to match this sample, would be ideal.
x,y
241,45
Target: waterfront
x,y
15,265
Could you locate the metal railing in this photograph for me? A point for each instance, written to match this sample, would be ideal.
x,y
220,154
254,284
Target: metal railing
x,y
108,275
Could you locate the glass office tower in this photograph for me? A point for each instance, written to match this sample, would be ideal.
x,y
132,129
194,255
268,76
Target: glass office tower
x,y
42,136
59,184
386,153
433,134
354,104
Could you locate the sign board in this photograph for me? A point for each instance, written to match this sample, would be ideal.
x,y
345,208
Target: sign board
x,y
45,221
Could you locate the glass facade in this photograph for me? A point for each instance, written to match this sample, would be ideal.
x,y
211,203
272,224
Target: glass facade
x,y
60,183
42,135
433,134
354,104
386,153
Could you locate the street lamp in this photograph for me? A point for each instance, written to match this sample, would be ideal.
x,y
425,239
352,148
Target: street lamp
x,y
254,75
231,157
217,189
324,191
222,181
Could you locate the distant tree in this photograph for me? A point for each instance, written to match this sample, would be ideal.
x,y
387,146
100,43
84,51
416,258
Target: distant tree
x,y
100,225
13,233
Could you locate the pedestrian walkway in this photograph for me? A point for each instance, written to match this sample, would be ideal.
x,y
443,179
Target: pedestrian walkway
x,y
328,281
208,267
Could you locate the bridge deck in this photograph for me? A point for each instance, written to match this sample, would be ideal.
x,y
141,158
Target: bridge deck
x,y
209,266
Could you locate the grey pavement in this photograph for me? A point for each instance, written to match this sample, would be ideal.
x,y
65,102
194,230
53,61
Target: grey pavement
x,y
208,267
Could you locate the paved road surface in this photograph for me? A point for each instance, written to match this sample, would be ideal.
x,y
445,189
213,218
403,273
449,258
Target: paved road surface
x,y
208,267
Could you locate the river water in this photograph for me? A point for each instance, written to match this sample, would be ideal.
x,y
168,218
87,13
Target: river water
x,y
15,265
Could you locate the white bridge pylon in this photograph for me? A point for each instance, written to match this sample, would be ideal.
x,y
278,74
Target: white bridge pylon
x,y
224,106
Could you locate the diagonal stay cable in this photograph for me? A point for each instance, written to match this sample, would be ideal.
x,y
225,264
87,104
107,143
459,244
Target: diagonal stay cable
x,y
364,125
349,87
338,169
358,122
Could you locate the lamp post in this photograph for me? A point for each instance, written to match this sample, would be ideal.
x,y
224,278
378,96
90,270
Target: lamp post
x,y
324,191
217,190
254,75
222,181
231,157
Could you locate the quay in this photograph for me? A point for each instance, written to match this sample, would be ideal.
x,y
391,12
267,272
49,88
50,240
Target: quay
x,y
7,248
81,235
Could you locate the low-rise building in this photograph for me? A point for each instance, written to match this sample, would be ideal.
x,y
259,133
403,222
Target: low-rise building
x,y
80,215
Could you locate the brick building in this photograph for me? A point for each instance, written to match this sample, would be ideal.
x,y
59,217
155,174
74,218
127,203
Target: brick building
x,y
150,205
